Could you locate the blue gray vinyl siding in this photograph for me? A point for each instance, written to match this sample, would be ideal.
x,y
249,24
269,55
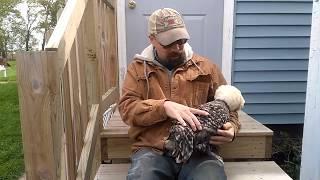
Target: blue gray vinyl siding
x,y
271,51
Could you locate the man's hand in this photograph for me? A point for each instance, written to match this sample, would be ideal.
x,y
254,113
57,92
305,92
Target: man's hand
x,y
184,114
225,135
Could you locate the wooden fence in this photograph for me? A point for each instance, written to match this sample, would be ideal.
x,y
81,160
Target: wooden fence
x,y
64,90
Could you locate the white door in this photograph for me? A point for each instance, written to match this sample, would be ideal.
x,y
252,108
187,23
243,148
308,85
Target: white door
x,y
203,18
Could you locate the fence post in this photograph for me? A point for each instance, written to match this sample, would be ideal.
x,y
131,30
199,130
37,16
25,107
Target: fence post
x,y
39,115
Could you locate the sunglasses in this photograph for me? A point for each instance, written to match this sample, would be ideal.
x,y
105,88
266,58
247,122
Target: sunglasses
x,y
177,42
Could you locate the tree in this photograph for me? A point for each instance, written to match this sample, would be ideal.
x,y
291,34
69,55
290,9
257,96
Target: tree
x,y
6,9
31,23
49,10
18,31
7,6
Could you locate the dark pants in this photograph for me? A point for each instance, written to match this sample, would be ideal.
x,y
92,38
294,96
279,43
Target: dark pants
x,y
150,165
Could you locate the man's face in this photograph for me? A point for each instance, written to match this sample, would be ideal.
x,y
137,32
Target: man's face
x,y
173,54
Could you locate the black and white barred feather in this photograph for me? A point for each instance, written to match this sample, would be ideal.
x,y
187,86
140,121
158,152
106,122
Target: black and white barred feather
x,y
183,141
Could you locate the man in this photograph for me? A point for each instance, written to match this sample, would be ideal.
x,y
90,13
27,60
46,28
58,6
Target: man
x,y
162,85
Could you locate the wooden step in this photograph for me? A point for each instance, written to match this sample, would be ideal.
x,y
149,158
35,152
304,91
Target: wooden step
x,y
256,170
254,140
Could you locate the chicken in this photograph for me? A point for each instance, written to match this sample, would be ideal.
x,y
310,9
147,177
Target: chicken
x,y
182,141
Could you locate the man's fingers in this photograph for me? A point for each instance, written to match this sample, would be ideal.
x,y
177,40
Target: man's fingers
x,y
227,126
220,139
195,121
198,111
225,133
189,120
180,119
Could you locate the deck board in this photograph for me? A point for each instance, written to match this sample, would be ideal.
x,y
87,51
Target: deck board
x,y
257,170
254,140
117,128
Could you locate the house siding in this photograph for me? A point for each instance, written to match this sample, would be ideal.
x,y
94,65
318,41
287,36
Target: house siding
x,y
270,61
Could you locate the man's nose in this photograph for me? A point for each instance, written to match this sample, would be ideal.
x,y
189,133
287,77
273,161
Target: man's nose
x,y
177,47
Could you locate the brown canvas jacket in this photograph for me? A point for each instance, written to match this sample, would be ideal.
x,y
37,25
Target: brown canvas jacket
x,y
148,84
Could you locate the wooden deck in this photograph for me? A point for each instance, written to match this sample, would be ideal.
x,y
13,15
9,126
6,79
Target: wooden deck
x,y
254,140
262,170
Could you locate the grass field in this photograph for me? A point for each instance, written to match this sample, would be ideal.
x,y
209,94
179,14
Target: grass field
x,y
11,154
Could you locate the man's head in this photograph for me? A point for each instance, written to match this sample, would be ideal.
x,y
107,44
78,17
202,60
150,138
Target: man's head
x,y
167,26
168,34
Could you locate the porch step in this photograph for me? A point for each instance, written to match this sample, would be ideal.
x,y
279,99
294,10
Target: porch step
x,y
256,170
254,141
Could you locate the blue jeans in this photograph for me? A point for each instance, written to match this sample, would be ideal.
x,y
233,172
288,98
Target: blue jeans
x,y
150,165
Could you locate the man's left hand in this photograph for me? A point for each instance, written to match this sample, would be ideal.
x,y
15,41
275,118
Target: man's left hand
x,y
224,135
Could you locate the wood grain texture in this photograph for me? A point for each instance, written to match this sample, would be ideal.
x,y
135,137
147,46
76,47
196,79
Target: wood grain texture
x,y
36,110
254,141
256,170
88,151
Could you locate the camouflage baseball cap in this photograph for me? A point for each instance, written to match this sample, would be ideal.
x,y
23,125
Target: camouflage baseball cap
x,y
167,25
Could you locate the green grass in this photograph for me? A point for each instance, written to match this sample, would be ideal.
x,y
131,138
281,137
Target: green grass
x,y
11,153
11,72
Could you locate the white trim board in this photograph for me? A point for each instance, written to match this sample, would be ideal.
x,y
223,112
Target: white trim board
x,y
227,46
310,161
122,41
227,42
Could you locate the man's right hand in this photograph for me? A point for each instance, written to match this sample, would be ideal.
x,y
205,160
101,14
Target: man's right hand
x,y
184,114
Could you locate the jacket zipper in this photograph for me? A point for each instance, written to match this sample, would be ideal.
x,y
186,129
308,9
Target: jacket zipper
x,y
169,81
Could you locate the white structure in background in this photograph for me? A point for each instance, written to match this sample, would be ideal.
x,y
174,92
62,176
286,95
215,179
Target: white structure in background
x,y
2,68
310,162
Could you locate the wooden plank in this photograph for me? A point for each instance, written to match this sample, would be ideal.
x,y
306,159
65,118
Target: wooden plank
x,y
68,106
78,118
247,148
109,4
250,127
112,59
253,140
85,169
310,162
65,32
256,170
106,101
106,46
66,28
35,114
88,151
88,160
109,98
91,61
81,69
99,18
57,114
258,147
96,162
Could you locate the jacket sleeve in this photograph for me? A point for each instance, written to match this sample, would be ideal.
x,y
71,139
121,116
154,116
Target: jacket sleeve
x,y
217,80
134,110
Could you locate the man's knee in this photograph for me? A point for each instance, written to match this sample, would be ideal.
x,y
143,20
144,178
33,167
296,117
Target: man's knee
x,y
209,170
140,161
147,164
